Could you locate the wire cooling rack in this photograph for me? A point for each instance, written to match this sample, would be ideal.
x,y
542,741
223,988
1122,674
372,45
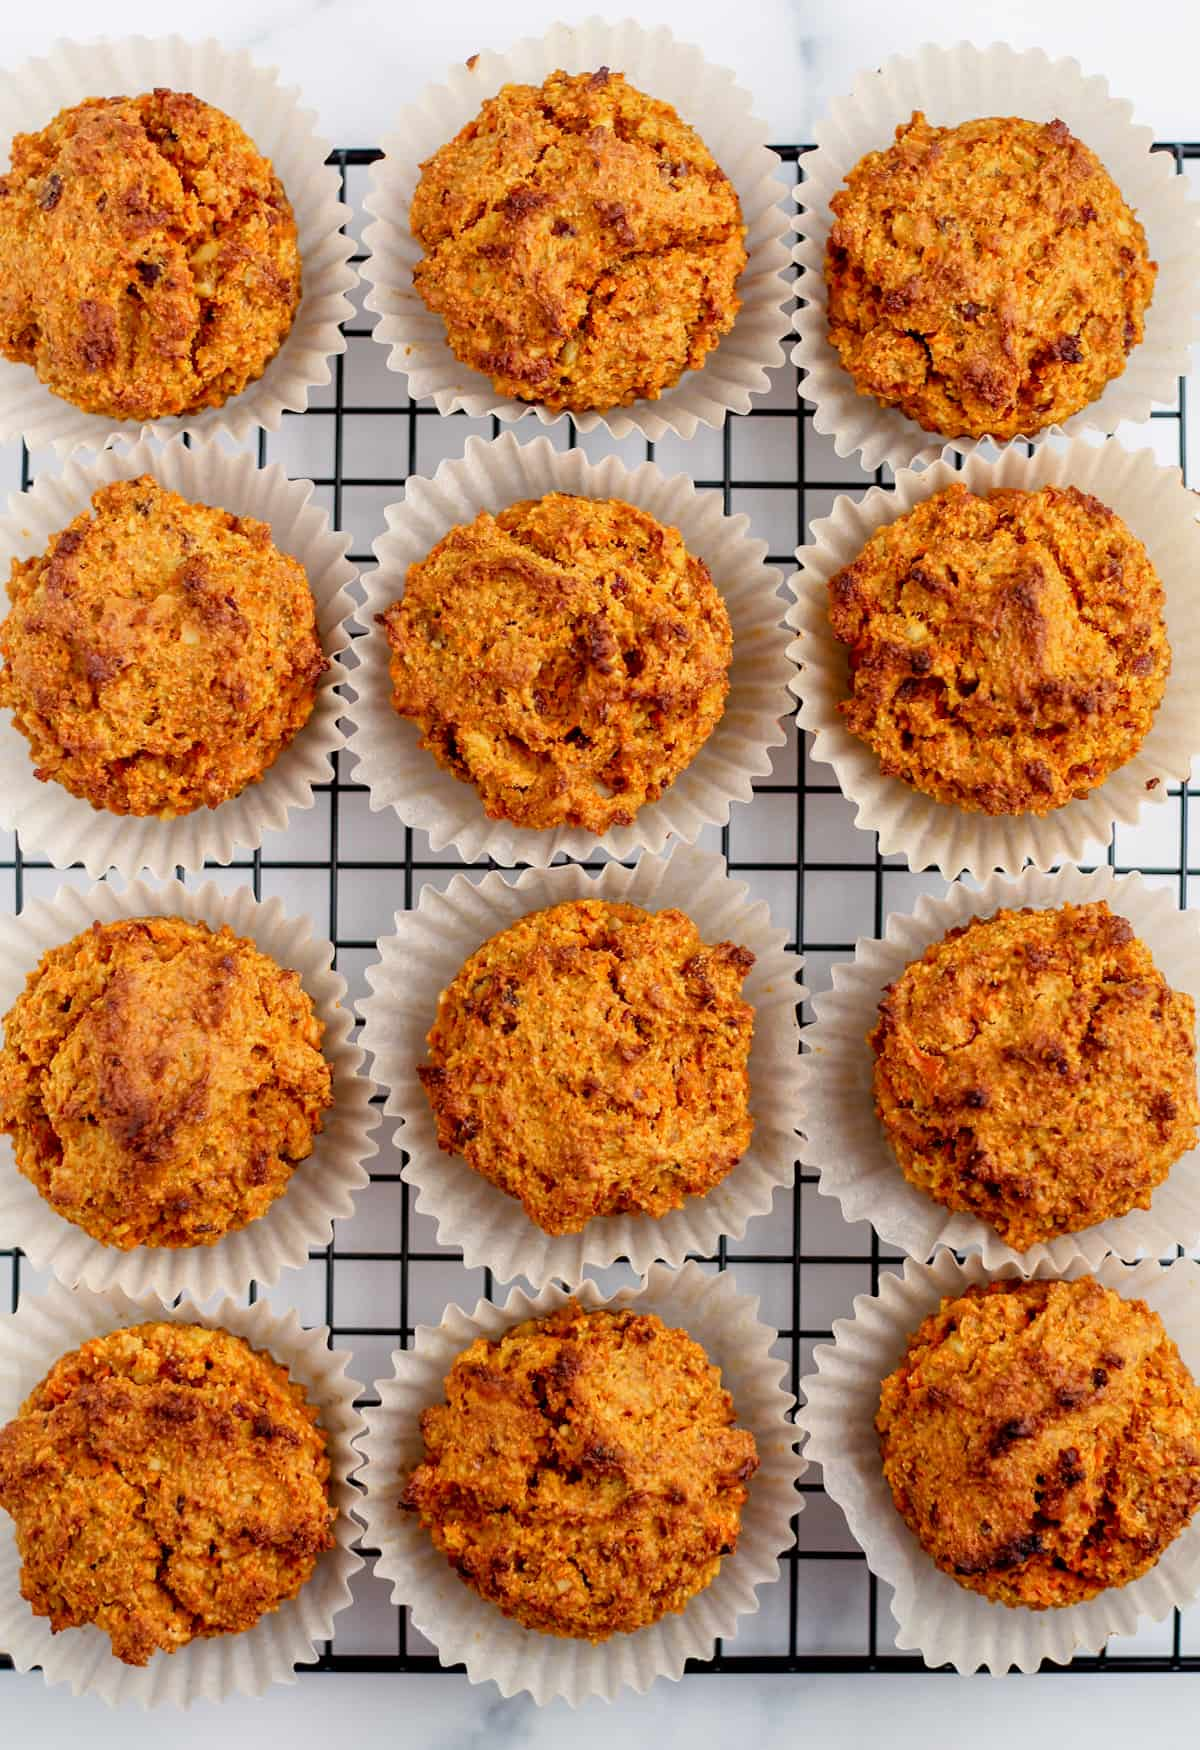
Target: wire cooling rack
x,y
795,846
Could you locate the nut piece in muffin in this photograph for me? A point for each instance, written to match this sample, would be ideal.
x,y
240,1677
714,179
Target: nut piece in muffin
x,y
590,1060
160,655
161,1080
584,1473
581,244
1042,1440
568,657
1036,1070
1007,652
149,263
987,278
167,1482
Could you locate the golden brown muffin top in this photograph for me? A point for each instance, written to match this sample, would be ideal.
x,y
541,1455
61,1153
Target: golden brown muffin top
x,y
590,1059
1007,651
987,278
149,263
160,655
1036,1070
568,657
584,1473
1042,1440
160,1081
167,1482
581,244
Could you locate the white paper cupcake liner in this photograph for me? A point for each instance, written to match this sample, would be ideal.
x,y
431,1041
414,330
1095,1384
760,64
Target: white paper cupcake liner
x,y
708,100
489,476
465,1627
321,1189
1159,510
935,1616
421,959
958,84
31,95
53,1324
53,823
845,1141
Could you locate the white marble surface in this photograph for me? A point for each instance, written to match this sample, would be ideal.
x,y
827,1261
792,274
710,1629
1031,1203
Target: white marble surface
x,y
356,61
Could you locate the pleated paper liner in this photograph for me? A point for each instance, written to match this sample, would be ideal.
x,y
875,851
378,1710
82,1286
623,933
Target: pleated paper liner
x,y
935,1616
958,84
709,101
31,1341
464,1627
490,476
66,829
1159,510
321,1189
30,97
422,957
845,1141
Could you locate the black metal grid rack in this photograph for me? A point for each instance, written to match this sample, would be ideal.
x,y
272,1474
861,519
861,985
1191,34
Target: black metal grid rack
x,y
795,845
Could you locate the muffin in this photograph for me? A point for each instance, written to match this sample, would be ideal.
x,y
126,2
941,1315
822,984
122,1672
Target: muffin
x,y
161,1080
986,278
569,657
1007,651
591,1059
160,655
149,262
167,1482
584,1473
1035,1069
580,243
1042,1440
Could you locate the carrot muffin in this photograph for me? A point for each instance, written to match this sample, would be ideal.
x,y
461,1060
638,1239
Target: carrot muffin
x,y
568,657
584,1473
167,1482
160,1081
160,655
149,263
581,244
1042,1440
1007,651
590,1060
985,279
1036,1070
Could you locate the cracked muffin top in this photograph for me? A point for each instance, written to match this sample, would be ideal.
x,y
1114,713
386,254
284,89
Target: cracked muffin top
x,y
167,1482
591,1059
1008,651
161,1080
584,1473
149,263
1036,1070
986,278
160,655
568,657
1042,1440
581,244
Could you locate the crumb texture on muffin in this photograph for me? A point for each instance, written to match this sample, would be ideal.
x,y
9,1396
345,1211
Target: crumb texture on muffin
x,y
581,243
569,657
584,1473
1036,1070
1042,1440
1007,651
591,1059
161,1080
986,278
160,655
167,1482
149,262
